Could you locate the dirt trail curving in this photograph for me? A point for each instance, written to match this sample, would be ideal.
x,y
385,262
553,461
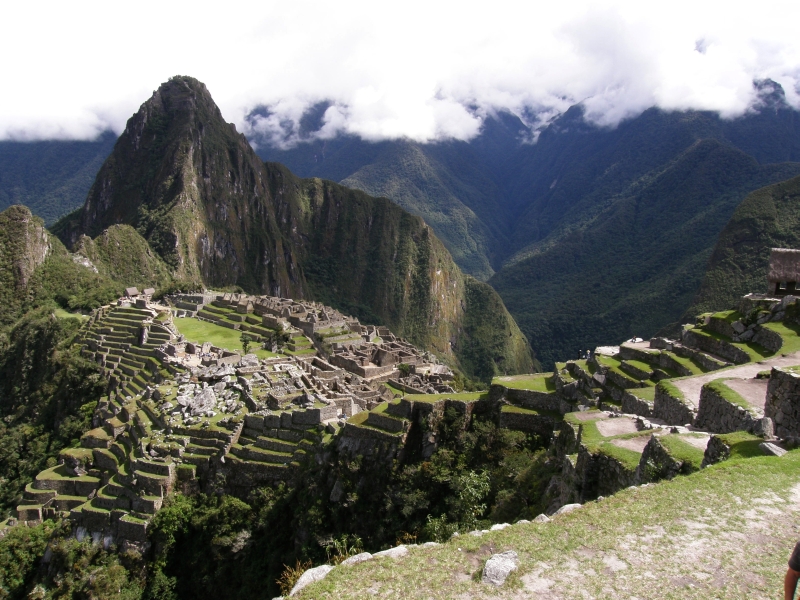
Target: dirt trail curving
x,y
691,386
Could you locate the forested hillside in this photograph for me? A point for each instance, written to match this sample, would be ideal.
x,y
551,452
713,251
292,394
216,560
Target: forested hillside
x,y
590,233
767,218
50,177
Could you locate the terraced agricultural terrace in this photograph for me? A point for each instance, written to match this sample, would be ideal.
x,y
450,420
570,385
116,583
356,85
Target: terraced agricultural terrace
x,y
185,402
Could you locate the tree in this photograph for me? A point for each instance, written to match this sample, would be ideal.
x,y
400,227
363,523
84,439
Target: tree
x,y
246,340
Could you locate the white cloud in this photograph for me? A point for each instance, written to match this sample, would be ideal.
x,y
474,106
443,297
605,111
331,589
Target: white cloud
x,y
423,70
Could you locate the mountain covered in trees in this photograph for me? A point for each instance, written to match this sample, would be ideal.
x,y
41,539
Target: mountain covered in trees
x,y
590,234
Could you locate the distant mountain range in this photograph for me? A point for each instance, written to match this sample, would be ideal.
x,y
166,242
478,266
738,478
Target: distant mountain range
x,y
590,234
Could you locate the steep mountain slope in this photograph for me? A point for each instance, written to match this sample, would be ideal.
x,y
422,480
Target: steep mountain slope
x,y
24,246
559,196
195,190
51,177
767,218
636,265
36,270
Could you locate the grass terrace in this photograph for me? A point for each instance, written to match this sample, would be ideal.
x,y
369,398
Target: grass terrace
x,y
437,397
789,333
222,337
537,382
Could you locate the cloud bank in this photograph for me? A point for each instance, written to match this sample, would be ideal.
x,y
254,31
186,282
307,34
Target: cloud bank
x,y
421,70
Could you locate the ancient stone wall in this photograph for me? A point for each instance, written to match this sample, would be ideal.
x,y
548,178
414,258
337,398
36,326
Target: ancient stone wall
x,y
720,348
783,402
633,405
670,407
718,415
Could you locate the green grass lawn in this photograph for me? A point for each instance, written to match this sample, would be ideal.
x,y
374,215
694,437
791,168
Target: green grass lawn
x,y
64,314
436,397
646,393
202,331
789,333
537,382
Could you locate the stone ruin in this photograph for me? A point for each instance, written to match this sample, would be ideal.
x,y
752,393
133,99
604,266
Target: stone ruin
x,y
179,411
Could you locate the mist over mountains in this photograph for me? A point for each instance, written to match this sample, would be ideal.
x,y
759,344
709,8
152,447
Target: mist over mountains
x,y
591,234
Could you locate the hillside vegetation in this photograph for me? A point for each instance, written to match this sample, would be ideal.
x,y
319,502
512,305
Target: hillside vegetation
x,y
50,177
767,218
614,223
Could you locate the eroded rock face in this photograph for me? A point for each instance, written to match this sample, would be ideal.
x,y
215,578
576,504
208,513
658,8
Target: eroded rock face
x,y
28,243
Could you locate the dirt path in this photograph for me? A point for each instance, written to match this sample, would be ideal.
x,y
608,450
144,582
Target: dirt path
x,y
752,390
691,386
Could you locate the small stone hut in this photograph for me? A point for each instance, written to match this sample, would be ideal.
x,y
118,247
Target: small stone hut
x,y
784,271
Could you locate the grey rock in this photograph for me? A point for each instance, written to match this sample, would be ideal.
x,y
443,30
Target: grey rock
x,y
311,576
476,533
499,567
397,552
771,449
522,522
738,327
747,335
358,558
764,427
542,519
430,544
567,508
499,526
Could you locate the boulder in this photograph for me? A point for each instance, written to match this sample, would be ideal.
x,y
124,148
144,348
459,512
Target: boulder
x,y
398,552
542,519
311,576
567,508
357,558
771,449
499,567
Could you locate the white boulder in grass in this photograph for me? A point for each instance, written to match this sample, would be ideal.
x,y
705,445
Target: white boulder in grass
x,y
397,552
357,558
311,576
499,567
567,508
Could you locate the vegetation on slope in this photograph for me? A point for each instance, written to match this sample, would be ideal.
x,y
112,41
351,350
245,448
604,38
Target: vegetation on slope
x,y
50,177
617,547
767,218
632,268
619,222
47,396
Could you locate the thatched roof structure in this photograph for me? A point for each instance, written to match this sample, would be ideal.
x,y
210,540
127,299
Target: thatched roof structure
x,y
784,265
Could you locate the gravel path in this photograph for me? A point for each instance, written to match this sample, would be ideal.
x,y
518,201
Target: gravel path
x,y
691,386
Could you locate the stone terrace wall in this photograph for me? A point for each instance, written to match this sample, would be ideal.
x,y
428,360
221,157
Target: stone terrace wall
x,y
718,415
671,408
783,402
721,348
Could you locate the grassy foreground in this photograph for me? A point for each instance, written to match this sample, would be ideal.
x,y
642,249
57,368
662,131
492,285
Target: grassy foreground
x,y
723,532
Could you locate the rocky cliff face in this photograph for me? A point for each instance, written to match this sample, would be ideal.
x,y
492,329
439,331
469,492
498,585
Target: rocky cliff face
x,y
197,192
24,245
